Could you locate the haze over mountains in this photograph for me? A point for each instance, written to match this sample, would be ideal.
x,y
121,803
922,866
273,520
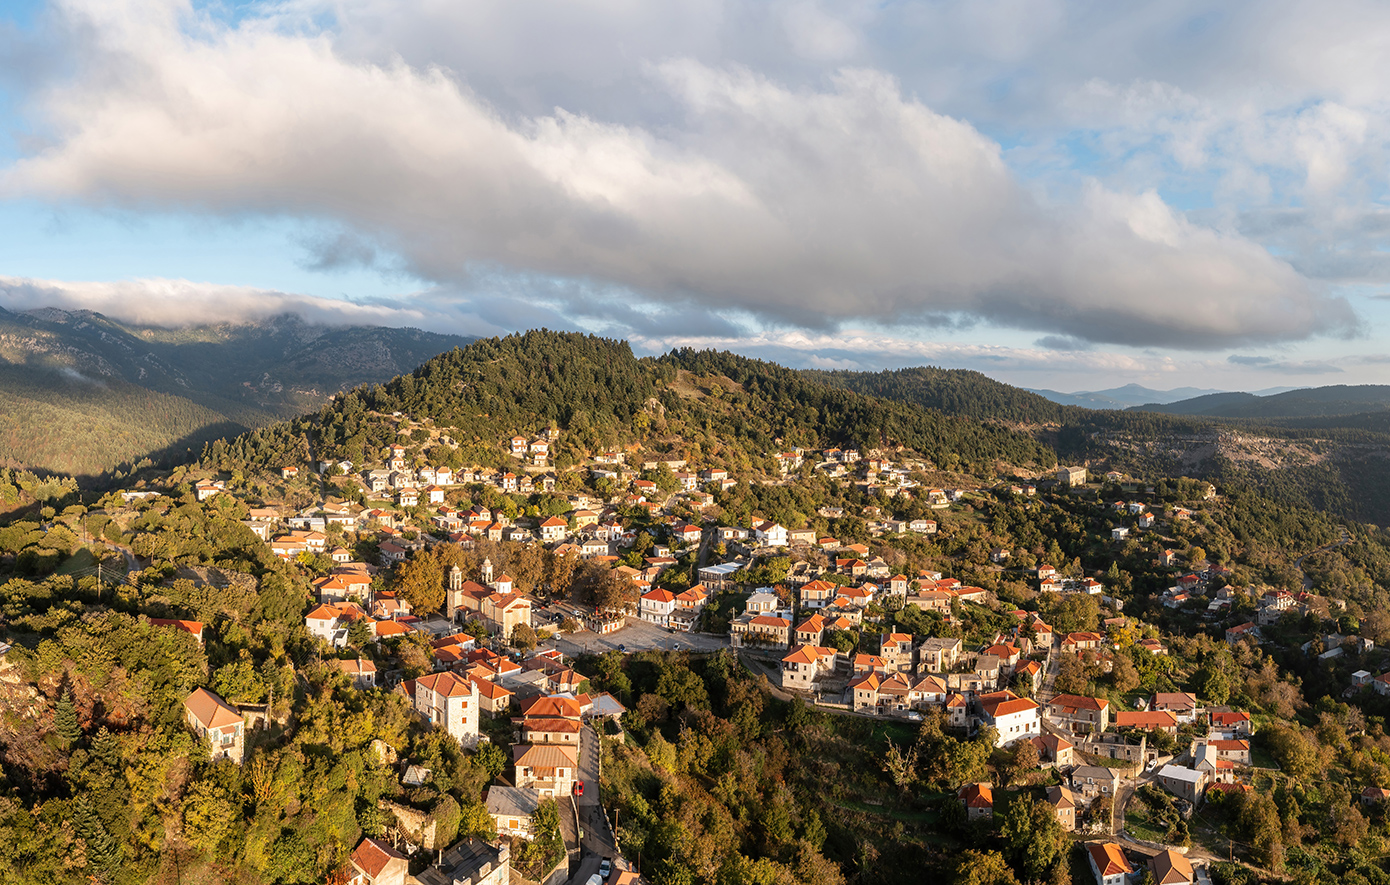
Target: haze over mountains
x,y
1316,402
81,393
1134,395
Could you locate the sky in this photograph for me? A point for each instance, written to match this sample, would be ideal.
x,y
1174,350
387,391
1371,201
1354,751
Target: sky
x,y
1068,195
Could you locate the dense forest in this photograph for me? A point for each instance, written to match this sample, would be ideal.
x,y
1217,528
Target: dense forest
x,y
69,424
953,391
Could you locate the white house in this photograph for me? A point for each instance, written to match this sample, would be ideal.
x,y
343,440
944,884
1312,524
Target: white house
x,y
554,529
1108,863
657,606
1014,718
448,701
770,534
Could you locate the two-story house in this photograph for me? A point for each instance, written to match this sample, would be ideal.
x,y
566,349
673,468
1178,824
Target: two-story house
x,y
896,651
805,665
1079,714
657,606
550,769
1012,717
213,718
448,701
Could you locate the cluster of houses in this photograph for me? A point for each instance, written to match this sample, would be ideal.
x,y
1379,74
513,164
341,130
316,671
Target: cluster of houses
x,y
470,862
911,675
1213,759
346,595
541,696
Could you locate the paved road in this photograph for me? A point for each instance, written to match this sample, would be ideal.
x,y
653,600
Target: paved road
x,y
588,867
597,838
638,635
1043,693
707,541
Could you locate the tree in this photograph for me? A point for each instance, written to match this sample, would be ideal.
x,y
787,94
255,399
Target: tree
x,y
982,868
1071,676
420,582
65,719
1123,675
447,816
1258,821
1033,839
474,821
523,637
900,765
207,815
561,575
1025,757
1296,754
490,759
359,634
1023,685
1211,681
104,853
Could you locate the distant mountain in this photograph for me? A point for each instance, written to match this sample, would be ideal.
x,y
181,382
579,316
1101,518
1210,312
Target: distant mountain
x,y
1122,397
83,393
1315,402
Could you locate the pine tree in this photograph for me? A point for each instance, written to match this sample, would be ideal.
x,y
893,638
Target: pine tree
x,y
65,719
103,852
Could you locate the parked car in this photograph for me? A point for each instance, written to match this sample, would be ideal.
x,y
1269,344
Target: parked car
x,y
605,868
579,788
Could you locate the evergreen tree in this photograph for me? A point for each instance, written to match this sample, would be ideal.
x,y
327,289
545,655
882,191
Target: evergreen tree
x,y
103,852
65,719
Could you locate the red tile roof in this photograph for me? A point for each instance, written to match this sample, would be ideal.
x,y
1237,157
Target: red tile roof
x,y
1109,859
371,857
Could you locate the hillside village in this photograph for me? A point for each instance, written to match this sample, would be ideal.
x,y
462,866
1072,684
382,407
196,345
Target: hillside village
x,y
1003,680
1108,651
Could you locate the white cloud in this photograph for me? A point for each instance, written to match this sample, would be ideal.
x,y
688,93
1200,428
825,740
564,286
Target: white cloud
x,y
803,206
173,303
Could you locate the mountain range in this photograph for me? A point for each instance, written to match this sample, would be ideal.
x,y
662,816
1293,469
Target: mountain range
x,y
1137,396
1316,402
81,393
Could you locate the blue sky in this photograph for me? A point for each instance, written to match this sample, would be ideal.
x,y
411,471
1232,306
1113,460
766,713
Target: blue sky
x,y
1073,195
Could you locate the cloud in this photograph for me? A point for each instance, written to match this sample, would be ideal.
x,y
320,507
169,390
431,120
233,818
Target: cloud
x,y
802,206
339,251
174,303
872,350
1287,367
1062,342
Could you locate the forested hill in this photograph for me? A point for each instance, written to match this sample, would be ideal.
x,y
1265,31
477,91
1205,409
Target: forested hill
x,y
953,391
84,393
602,396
